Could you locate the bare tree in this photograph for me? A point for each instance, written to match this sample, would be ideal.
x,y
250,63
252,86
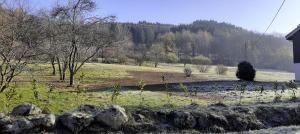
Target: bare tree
x,y
84,34
19,43
157,53
55,44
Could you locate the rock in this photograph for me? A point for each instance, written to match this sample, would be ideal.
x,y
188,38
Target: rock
x,y
192,106
254,123
164,127
163,115
203,121
184,120
76,121
4,120
87,109
113,117
43,120
145,112
218,120
26,110
237,122
36,123
240,109
21,125
216,129
138,117
2,115
139,128
275,116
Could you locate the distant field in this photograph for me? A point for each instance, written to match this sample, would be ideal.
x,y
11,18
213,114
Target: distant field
x,y
98,74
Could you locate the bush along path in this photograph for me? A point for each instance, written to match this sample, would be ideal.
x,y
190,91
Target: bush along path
x,y
27,118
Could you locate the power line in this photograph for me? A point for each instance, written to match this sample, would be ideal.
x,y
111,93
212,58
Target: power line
x,y
259,38
271,21
275,16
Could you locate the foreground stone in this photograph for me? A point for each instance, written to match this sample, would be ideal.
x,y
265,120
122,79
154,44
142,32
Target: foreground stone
x,y
26,110
16,125
21,125
43,120
76,121
113,117
184,120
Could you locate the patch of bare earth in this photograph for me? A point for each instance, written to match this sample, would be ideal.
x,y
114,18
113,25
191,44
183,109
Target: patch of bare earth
x,y
148,77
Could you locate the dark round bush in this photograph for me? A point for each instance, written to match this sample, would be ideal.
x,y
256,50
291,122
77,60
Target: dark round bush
x,y
245,71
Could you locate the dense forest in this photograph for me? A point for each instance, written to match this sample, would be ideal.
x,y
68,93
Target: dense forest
x,y
221,43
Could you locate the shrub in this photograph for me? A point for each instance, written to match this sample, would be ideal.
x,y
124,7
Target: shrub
x,y
36,93
186,60
291,85
221,70
171,58
278,96
141,86
123,59
201,60
245,71
115,92
184,89
139,61
110,60
187,71
203,68
94,59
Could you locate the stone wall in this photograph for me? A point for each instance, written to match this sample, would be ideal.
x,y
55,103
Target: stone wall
x,y
27,118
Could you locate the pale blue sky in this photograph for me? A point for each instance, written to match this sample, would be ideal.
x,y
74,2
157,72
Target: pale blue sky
x,y
253,15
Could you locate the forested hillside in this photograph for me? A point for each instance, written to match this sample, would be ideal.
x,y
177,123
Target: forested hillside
x,y
222,43
202,42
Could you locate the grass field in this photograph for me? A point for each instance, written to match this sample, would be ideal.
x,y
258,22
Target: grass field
x,y
97,72
63,98
62,101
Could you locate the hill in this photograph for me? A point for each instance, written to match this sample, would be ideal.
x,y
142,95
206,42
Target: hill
x,y
223,43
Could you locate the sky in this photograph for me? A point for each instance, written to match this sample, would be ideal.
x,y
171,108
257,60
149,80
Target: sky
x,y
254,15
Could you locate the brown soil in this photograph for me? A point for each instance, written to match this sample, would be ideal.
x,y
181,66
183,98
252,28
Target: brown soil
x,y
150,78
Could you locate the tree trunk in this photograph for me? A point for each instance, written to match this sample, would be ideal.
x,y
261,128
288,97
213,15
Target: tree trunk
x,y
3,88
53,66
59,69
102,55
71,62
193,50
72,74
64,69
155,64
